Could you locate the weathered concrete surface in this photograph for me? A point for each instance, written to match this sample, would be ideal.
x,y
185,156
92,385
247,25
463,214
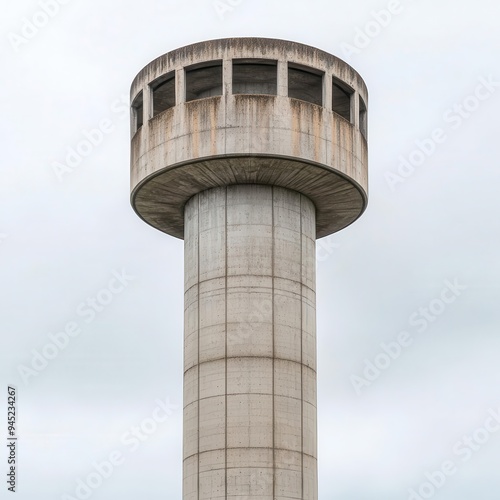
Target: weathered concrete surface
x,y
250,345
249,181
239,139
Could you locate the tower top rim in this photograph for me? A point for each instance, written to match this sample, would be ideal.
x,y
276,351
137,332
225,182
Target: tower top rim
x,y
231,45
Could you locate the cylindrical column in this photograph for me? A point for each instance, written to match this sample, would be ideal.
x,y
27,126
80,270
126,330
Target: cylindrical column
x,y
250,345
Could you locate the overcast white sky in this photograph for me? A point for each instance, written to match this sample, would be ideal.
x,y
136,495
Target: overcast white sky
x,y
61,240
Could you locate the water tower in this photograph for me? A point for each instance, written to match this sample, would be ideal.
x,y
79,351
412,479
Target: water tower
x,y
249,149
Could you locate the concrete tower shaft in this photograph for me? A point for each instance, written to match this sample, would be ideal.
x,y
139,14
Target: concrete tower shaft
x,y
250,344
249,149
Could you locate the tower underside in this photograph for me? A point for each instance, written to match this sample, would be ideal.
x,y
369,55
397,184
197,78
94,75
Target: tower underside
x,y
250,345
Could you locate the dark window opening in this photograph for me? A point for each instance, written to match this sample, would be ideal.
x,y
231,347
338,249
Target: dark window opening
x,y
255,76
341,99
363,118
138,112
163,93
205,81
305,85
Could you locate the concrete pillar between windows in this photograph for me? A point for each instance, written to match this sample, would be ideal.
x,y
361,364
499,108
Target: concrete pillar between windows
x,y
227,76
283,78
180,86
355,109
148,103
327,91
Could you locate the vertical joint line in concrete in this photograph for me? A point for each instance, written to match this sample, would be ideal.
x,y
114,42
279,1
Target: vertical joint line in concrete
x,y
225,352
198,350
273,301
301,351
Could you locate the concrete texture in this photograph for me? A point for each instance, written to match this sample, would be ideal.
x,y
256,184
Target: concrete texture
x,y
249,178
249,138
250,345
